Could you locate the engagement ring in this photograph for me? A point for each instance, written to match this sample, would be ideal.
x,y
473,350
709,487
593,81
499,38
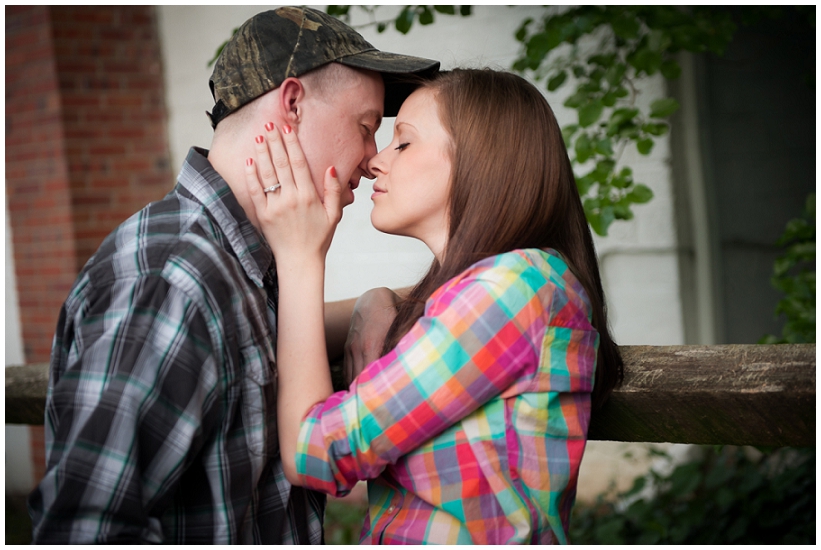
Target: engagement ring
x,y
272,188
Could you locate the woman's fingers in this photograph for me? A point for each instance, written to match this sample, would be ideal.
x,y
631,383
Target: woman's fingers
x,y
254,186
333,196
283,165
264,165
299,166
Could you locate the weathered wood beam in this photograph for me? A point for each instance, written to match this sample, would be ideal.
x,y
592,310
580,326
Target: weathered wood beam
x,y
26,394
761,395
734,394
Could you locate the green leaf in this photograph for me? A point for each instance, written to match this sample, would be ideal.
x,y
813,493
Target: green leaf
x,y
662,108
576,100
521,64
556,81
625,26
645,146
425,16
601,220
222,47
640,194
628,130
609,99
638,485
404,21
584,183
604,147
578,71
655,129
615,74
337,11
447,10
590,86
646,60
623,180
619,118
610,531
583,148
606,166
602,60
521,33
567,133
622,211
590,113
658,40
537,48
380,27
464,11
670,69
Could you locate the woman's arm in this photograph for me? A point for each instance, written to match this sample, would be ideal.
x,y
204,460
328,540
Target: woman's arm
x,y
299,227
480,337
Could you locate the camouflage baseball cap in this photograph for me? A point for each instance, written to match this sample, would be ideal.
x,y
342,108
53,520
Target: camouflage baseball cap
x,y
278,44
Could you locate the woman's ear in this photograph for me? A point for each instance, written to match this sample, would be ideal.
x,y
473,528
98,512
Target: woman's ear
x,y
291,96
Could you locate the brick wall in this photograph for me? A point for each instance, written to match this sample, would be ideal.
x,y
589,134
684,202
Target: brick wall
x,y
37,180
86,143
86,147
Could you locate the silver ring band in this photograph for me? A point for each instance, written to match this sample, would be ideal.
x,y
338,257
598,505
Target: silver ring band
x,y
272,188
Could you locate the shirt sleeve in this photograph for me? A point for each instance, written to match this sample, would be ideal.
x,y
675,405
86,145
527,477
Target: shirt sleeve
x,y
128,412
478,335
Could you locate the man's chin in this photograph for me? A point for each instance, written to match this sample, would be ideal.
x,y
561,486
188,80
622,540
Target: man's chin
x,y
347,197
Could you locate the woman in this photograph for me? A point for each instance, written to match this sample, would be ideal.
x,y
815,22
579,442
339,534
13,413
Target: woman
x,y
471,427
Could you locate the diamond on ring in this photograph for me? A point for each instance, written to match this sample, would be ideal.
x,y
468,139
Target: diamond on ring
x,y
272,188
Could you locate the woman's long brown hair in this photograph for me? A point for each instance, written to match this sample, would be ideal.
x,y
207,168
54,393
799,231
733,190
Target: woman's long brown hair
x,y
512,187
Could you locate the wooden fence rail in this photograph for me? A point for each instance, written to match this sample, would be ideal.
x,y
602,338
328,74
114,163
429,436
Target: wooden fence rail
x,y
760,395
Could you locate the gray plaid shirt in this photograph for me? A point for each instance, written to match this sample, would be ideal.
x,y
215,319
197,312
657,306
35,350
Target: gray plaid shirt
x,y
161,410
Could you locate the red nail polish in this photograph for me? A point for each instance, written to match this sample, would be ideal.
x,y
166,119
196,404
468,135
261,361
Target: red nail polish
x,y
333,172
286,129
249,162
269,126
259,139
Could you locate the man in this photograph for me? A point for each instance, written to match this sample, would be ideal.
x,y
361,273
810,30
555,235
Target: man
x,y
160,417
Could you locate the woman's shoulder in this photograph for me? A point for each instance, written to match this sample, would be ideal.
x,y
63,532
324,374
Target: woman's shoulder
x,y
531,268
546,264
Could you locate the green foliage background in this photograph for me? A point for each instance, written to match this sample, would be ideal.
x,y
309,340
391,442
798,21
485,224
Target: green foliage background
x,y
726,495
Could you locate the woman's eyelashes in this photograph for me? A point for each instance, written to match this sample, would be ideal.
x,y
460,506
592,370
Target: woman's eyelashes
x,y
402,146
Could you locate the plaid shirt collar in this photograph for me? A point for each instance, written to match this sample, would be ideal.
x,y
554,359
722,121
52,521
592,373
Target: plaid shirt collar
x,y
204,184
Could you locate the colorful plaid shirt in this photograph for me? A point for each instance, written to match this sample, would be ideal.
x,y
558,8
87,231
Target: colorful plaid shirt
x,y
161,408
472,429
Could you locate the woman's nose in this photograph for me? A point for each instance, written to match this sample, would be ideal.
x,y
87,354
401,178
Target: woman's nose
x,y
376,165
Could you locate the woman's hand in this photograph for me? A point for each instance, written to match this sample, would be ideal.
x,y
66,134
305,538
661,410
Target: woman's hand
x,y
296,223
299,227
372,316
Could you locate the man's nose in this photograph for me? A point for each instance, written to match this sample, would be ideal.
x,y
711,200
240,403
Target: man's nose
x,y
370,155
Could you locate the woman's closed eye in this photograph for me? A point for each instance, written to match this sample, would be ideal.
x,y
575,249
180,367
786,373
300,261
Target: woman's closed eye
x,y
402,146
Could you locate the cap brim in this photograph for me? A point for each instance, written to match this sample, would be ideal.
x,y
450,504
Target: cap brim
x,y
393,66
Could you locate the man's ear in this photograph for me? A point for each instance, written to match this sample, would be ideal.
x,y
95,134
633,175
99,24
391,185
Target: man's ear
x,y
291,96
